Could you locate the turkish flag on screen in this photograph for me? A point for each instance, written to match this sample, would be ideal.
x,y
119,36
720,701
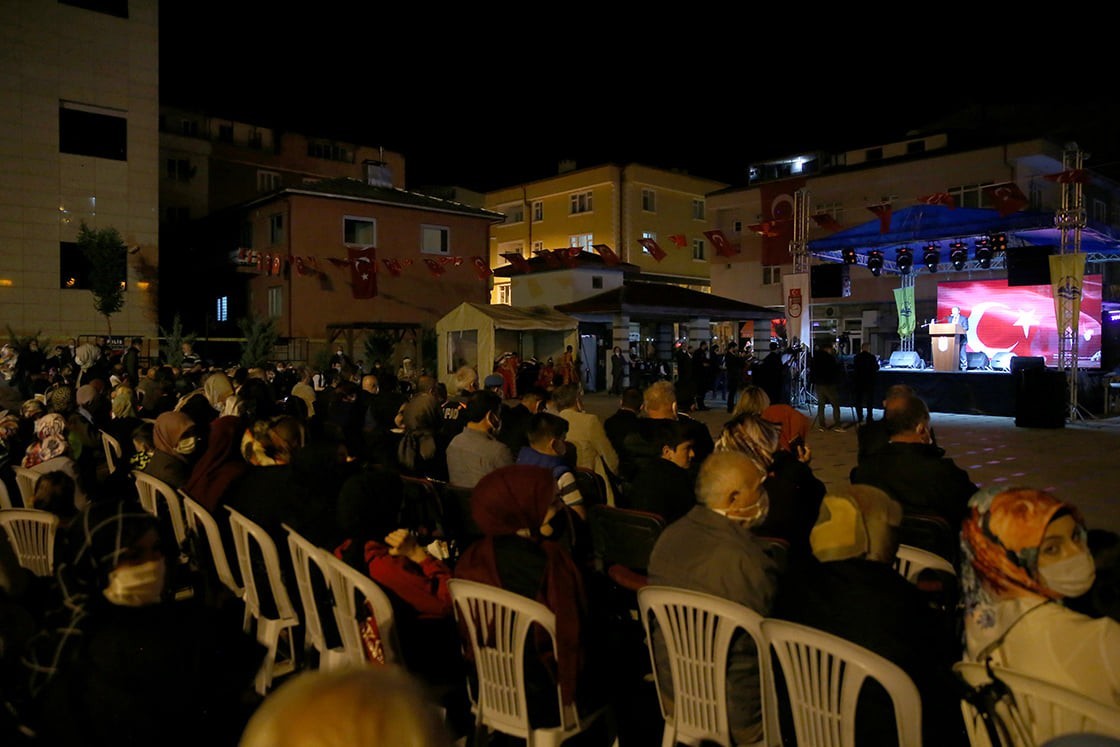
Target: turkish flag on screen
x,y
363,279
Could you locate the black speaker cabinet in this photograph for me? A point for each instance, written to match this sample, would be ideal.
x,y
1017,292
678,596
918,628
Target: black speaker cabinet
x,y
1041,395
905,359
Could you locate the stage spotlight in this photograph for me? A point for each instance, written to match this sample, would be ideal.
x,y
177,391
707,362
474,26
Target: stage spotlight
x,y
983,253
998,242
932,257
875,262
904,258
849,256
958,255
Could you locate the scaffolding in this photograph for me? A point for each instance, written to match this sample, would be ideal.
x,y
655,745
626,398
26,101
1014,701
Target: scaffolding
x,y
1070,220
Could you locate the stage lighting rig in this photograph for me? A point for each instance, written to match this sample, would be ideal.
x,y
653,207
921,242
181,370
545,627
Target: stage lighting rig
x,y
849,256
904,259
932,257
875,262
982,251
998,242
958,255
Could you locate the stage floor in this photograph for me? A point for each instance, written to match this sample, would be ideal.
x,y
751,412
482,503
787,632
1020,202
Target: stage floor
x,y
960,392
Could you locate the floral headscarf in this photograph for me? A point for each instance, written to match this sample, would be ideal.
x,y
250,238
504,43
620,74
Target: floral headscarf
x,y
50,430
9,426
999,545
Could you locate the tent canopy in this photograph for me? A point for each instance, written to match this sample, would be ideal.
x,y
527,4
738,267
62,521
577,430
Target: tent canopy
x,y
475,334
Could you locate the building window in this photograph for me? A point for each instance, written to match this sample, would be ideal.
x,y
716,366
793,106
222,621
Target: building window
x,y
916,146
118,8
276,229
647,235
834,209
188,127
874,154
221,312
330,152
255,140
596,281
276,301
502,293
435,239
737,226
970,195
771,274
698,210
267,181
580,203
75,271
698,249
649,201
225,132
92,131
246,236
515,214
179,170
538,211
538,246
584,241
359,231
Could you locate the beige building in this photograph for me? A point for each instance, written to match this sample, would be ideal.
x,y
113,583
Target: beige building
x,y
79,142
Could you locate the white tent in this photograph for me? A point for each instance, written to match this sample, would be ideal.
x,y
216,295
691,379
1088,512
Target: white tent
x,y
475,334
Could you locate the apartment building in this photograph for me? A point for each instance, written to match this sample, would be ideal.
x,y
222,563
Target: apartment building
x,y
79,143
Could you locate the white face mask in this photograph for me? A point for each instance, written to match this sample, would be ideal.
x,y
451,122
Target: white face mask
x,y
137,585
761,510
1071,577
186,445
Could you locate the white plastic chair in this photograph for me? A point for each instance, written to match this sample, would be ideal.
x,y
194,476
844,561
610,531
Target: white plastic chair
x,y
1047,710
696,629
31,533
305,555
152,490
26,479
823,675
202,524
351,590
113,451
910,561
269,629
503,619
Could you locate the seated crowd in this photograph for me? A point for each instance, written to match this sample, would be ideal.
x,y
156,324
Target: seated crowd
x,y
110,650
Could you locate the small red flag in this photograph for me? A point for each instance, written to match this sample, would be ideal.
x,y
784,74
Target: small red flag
x,y
679,239
277,264
765,229
720,242
883,212
610,259
393,266
939,198
651,246
338,262
434,266
1007,198
518,261
568,258
575,251
825,220
550,258
263,263
300,268
363,280
1070,176
481,267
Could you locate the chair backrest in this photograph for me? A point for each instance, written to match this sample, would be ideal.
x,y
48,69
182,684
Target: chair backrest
x,y
306,555
1048,710
623,536
113,451
930,532
823,675
26,479
31,533
592,486
247,533
351,590
5,496
910,561
460,523
496,623
153,492
201,523
696,630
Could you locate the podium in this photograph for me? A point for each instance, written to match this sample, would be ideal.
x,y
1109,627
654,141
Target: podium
x,y
946,340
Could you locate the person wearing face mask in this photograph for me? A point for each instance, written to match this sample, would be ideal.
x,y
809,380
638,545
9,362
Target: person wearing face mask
x,y
712,549
119,663
1025,553
476,451
176,448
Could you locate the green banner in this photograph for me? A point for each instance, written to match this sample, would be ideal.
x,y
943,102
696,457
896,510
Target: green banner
x,y
904,299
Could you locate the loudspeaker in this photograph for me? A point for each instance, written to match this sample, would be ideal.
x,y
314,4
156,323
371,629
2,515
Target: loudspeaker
x,y
1041,399
1001,361
827,280
977,361
1029,265
1022,363
906,359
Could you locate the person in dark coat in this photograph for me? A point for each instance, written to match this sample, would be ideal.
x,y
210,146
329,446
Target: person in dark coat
x,y
664,485
827,374
624,420
734,365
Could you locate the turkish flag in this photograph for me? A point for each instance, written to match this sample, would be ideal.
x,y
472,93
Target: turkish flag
x,y
825,220
1070,176
939,198
363,279
610,259
263,263
277,264
481,267
434,266
575,251
653,248
883,213
679,239
567,258
393,266
765,229
300,268
722,246
550,257
518,261
1007,198
777,209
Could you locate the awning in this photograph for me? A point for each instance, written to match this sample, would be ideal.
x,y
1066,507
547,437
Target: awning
x,y
658,301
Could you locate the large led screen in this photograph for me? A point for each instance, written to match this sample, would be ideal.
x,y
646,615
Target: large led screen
x,y
1021,319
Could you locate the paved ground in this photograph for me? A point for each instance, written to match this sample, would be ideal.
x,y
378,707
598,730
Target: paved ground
x,y
1079,462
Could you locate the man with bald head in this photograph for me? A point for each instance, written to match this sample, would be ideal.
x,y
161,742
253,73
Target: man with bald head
x,y
712,549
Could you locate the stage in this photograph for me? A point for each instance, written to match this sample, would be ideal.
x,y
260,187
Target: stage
x,y
959,392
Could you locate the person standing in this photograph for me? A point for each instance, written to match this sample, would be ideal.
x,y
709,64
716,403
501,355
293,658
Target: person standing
x,y
131,359
618,371
864,372
956,317
734,366
702,374
826,373
770,374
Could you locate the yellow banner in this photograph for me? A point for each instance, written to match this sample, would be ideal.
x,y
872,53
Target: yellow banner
x,y
1066,271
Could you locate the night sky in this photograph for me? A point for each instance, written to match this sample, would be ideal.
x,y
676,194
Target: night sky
x,y
467,106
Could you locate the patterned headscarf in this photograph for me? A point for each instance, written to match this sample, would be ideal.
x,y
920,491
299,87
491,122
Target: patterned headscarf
x,y
61,399
751,435
999,545
9,426
50,432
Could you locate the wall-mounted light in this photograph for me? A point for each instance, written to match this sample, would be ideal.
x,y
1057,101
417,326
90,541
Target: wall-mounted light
x,y
142,285
6,283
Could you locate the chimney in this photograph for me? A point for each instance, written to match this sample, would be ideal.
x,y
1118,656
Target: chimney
x,y
378,173
565,166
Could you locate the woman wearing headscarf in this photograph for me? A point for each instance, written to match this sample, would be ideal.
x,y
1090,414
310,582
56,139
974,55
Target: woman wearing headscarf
x,y
421,452
51,452
1025,553
514,507
176,446
220,465
120,664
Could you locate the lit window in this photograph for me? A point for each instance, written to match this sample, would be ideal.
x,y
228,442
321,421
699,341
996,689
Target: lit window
x,y
435,240
538,211
583,241
221,313
647,235
359,231
268,181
